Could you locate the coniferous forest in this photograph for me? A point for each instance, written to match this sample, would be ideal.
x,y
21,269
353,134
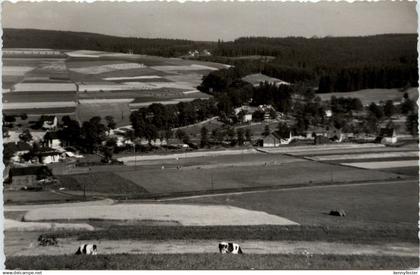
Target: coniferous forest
x,y
330,64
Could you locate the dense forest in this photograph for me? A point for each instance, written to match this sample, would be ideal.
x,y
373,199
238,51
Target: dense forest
x,y
330,64
31,38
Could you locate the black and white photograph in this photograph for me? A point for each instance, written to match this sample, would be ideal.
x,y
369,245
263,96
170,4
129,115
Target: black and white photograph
x,y
210,135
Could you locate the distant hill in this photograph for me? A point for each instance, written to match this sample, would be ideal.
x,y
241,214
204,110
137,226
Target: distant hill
x,y
32,38
332,63
339,51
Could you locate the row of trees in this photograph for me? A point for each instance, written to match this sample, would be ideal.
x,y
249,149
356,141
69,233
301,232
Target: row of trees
x,y
31,38
368,77
157,120
228,134
333,64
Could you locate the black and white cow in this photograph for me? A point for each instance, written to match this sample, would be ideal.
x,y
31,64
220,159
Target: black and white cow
x,y
229,248
87,249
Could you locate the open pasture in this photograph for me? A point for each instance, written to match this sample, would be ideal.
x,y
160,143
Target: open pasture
x,y
262,175
384,164
120,111
106,68
200,215
15,70
110,247
37,112
17,197
45,87
104,182
12,225
38,105
403,154
211,261
339,149
374,205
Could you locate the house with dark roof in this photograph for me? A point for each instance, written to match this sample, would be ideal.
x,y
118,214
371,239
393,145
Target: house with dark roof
x,y
27,177
274,139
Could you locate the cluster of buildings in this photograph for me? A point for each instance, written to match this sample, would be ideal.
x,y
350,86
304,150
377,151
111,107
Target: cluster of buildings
x,y
197,53
319,135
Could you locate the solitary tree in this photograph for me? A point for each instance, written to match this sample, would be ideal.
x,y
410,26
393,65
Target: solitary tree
x,y
376,110
412,123
248,134
283,129
23,116
240,136
230,133
182,136
407,106
266,131
25,136
108,149
389,109
110,122
204,136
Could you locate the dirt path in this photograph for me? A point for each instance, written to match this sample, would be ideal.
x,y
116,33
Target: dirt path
x,y
69,246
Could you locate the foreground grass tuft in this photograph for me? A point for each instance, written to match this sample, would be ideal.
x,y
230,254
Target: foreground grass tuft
x,y
210,261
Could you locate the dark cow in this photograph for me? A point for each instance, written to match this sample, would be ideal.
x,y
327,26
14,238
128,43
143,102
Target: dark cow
x,y
229,248
338,212
87,249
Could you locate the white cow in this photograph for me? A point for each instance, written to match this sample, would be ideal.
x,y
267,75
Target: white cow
x,y
87,249
229,248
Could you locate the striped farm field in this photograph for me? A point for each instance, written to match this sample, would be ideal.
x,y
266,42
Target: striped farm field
x,y
197,215
107,68
16,70
384,164
44,87
133,77
381,155
38,105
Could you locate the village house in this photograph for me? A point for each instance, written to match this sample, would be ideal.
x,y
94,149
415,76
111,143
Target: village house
x,y
275,140
176,143
387,136
19,148
49,122
27,177
51,140
158,142
244,113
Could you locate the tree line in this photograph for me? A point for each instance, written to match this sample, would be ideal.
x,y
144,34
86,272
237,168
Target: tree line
x,y
32,38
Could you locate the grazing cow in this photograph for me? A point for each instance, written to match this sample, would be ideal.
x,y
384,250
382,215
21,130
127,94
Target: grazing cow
x,y
229,248
338,212
87,249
